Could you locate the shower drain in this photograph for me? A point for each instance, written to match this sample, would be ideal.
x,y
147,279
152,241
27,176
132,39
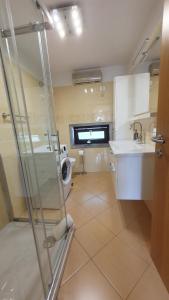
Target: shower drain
x,y
49,242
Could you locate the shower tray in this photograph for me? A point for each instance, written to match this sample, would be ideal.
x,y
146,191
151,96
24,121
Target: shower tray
x,y
19,272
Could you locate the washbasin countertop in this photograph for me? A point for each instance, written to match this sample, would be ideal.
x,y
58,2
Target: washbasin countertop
x,y
130,147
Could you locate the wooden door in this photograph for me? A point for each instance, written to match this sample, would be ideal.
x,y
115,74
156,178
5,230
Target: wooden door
x,y
160,216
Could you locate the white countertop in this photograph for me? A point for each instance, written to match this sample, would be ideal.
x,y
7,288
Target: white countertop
x,y
130,147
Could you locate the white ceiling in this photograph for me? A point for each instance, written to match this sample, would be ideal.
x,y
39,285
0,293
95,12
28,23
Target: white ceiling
x,y
112,29
154,53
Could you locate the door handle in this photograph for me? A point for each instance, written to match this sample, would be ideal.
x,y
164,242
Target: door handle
x,y
49,144
159,139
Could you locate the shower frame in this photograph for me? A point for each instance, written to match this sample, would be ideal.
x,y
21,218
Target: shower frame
x,y
56,278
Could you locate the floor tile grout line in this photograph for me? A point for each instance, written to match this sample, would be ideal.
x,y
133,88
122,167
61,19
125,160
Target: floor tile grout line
x,y
88,199
84,223
75,272
116,234
95,219
142,275
135,250
82,265
81,246
91,257
95,194
116,237
106,227
110,283
102,200
146,268
103,247
98,195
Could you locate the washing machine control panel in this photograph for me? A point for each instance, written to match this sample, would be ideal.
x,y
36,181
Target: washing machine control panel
x,y
63,151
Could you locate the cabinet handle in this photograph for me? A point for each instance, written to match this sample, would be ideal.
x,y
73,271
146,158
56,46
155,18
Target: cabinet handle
x,y
112,166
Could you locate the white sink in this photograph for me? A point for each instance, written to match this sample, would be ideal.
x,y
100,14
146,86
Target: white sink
x,y
130,147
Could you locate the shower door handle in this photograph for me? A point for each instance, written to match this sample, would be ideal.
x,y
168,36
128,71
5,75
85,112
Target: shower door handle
x,y
57,141
49,144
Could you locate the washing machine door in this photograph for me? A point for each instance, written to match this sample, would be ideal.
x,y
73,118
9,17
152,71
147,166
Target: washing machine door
x,y
66,168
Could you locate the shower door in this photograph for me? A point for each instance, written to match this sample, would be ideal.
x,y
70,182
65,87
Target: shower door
x,y
25,64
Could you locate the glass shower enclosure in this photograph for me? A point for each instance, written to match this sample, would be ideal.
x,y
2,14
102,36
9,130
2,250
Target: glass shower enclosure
x,y
35,232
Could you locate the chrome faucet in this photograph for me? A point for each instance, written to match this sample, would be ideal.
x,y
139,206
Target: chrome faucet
x,y
140,136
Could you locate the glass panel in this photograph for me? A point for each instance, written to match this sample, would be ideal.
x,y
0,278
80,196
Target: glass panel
x,y
20,276
30,100
92,135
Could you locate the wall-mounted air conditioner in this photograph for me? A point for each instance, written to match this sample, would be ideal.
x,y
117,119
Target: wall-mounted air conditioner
x,y
86,76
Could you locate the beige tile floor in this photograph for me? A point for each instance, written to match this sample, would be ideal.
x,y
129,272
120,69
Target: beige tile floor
x,y
109,258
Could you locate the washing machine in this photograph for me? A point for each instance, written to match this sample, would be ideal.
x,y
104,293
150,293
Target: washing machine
x,y
66,169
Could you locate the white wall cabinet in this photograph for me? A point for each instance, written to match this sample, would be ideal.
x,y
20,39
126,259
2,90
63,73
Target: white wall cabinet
x,y
154,89
131,99
123,91
141,89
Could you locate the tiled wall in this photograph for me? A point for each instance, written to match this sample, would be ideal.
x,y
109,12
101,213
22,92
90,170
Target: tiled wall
x,y
74,105
84,104
148,125
8,152
8,149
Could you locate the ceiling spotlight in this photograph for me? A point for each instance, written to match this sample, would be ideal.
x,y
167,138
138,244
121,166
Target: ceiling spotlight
x,y
75,12
58,23
92,90
79,30
67,20
85,90
76,20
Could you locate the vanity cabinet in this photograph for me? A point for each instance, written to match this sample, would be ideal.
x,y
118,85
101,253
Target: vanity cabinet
x,y
132,169
113,170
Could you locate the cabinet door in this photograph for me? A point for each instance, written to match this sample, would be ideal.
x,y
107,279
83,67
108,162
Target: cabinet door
x,y
112,168
141,93
154,86
122,96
